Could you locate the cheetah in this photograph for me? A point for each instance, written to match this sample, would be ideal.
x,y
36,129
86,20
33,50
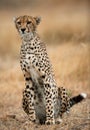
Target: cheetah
x,y
43,101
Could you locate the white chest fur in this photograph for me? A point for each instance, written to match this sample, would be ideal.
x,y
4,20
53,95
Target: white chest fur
x,y
34,74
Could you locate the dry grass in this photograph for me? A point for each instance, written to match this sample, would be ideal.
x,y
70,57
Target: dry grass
x,y
71,71
70,62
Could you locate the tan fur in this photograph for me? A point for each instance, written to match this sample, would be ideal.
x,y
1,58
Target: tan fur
x,y
42,100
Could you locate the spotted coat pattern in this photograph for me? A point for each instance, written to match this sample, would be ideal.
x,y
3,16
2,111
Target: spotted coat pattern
x,y
42,100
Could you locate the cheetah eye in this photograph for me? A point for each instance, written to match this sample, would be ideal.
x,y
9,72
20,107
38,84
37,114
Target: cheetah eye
x,y
29,22
19,22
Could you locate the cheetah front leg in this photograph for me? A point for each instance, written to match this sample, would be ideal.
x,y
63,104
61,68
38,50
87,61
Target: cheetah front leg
x,y
49,105
28,98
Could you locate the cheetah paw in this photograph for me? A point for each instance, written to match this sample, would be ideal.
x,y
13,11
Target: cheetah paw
x,y
58,121
49,122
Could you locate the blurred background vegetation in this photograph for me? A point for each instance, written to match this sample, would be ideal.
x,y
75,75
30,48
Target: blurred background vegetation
x,y
62,21
64,28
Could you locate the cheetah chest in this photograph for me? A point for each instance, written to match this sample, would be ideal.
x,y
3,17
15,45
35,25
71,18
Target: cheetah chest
x,y
34,75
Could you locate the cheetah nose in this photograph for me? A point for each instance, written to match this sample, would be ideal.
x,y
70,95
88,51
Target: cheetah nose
x,y
23,30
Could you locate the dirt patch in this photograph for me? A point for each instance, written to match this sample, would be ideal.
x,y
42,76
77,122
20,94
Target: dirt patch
x,y
78,119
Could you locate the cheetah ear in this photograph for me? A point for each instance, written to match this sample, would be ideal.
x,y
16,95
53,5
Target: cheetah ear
x,y
14,19
37,19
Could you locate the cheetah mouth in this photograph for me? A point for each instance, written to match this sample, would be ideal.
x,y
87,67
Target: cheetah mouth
x,y
23,33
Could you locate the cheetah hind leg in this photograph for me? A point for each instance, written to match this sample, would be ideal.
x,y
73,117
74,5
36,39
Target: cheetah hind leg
x,y
63,104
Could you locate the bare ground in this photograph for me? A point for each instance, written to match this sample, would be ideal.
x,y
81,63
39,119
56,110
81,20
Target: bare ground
x,y
78,119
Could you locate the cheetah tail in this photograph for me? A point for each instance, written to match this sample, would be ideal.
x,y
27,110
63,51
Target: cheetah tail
x,y
76,99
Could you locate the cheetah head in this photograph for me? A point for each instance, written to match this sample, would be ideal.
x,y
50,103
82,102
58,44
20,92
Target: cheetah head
x,y
26,24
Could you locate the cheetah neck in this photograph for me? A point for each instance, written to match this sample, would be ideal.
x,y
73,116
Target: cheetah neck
x,y
27,37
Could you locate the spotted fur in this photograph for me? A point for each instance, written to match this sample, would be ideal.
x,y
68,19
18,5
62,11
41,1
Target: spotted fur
x,y
42,99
